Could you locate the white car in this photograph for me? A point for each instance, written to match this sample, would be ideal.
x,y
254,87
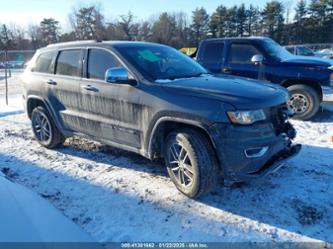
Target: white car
x,y
308,52
325,53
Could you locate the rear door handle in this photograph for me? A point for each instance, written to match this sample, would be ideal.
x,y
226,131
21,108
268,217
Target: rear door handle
x,y
90,88
51,82
226,70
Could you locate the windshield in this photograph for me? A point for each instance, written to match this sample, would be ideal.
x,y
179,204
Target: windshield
x,y
158,62
305,51
275,50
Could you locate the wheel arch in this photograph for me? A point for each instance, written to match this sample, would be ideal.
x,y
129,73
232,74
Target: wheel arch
x,y
34,101
167,124
310,83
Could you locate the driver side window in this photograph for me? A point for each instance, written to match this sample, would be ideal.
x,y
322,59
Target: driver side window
x,y
242,53
99,61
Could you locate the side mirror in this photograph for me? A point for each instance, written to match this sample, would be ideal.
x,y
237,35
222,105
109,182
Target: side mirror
x,y
119,75
257,59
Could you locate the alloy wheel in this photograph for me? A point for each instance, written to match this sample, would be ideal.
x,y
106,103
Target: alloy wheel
x,y
42,127
180,165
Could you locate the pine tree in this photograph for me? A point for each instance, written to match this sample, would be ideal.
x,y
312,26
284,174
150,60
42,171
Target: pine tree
x,y
231,22
6,38
241,20
300,15
200,21
49,29
217,22
273,20
253,20
316,21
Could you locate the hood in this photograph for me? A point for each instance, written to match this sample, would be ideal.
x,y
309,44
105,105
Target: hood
x,y
330,61
305,61
242,93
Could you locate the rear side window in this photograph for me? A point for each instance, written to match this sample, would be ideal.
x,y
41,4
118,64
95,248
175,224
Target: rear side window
x,y
68,63
213,52
304,51
242,53
98,62
291,50
44,62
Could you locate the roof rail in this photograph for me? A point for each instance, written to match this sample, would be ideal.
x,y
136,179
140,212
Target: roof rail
x,y
72,43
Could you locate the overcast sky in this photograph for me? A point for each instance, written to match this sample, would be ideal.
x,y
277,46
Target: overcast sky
x,y
25,12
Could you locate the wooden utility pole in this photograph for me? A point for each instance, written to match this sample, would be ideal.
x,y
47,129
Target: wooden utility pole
x,y
6,81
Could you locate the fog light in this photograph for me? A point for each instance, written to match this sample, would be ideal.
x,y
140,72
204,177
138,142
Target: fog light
x,y
256,152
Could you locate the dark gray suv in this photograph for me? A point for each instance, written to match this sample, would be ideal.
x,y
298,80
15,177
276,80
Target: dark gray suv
x,y
155,101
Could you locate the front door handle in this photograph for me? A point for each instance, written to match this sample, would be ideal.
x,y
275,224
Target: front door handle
x,y
226,70
51,82
90,88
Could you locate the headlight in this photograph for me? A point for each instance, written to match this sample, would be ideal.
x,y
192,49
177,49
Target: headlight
x,y
246,117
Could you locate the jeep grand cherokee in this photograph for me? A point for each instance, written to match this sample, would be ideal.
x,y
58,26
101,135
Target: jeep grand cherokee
x,y
155,101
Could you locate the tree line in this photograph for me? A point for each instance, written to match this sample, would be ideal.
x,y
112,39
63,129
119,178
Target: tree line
x,y
312,22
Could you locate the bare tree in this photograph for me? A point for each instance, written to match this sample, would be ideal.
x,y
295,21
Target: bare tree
x,y
128,26
145,31
34,34
183,30
19,36
163,30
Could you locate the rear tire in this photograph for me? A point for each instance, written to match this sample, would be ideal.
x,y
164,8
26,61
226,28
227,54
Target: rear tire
x,y
44,129
304,100
191,162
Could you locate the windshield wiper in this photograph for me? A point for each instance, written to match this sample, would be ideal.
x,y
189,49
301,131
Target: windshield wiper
x,y
186,76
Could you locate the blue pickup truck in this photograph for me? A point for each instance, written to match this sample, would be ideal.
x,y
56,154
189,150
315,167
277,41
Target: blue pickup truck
x,y
309,80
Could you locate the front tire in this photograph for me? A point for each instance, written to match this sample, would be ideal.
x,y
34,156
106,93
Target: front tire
x,y
304,100
44,129
191,162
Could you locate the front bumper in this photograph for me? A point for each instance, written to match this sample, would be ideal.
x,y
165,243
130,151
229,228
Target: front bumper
x,y
275,163
233,142
327,93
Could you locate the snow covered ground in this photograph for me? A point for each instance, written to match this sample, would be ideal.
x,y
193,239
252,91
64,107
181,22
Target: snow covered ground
x,y
22,215
119,196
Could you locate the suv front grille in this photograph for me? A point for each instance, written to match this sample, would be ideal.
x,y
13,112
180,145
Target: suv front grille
x,y
277,115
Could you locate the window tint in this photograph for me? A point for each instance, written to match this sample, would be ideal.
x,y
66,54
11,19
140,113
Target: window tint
x,y
304,51
213,52
242,53
99,61
44,62
291,49
68,63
